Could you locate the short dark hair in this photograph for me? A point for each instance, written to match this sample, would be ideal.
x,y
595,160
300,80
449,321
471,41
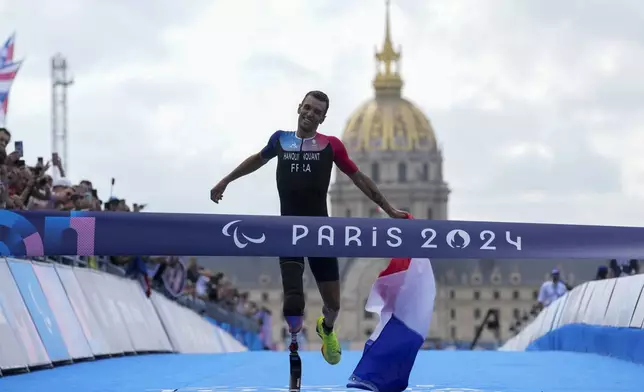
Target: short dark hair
x,y
5,130
320,96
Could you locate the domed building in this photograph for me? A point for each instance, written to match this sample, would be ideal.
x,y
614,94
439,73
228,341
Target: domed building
x,y
394,143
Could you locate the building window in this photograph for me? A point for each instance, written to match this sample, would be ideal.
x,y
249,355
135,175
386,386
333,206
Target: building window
x,y
402,172
477,314
424,174
452,294
496,294
430,213
515,294
452,332
265,297
452,314
535,295
516,313
347,213
375,172
477,295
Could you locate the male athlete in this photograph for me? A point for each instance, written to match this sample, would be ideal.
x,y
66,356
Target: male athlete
x,y
304,162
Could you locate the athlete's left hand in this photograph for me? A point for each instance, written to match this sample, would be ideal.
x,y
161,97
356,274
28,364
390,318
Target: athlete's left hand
x,y
217,192
398,214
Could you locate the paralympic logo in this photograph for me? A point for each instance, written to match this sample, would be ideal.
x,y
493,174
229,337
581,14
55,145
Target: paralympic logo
x,y
240,243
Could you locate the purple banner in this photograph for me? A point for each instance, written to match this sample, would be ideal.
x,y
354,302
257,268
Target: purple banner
x,y
114,233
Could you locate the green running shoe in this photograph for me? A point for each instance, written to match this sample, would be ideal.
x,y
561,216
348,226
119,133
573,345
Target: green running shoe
x,y
331,350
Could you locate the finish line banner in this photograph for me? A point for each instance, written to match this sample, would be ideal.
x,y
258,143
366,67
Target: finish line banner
x,y
132,234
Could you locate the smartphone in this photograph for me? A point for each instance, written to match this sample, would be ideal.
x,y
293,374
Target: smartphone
x,y
18,147
41,161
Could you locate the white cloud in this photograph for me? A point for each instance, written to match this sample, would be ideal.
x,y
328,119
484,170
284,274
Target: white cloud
x,y
536,103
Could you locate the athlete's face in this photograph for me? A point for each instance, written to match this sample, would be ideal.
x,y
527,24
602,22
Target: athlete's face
x,y
311,112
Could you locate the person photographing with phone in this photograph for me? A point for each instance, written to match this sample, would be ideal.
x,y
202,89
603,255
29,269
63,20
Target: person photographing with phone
x,y
305,160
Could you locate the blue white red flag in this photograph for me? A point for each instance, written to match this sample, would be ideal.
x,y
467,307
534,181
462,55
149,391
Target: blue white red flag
x,y
403,296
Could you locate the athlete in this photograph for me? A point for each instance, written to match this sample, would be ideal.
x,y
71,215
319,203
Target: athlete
x,y
305,160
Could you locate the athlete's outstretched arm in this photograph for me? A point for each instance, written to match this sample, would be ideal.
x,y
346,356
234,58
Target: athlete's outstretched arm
x,y
361,180
249,165
369,188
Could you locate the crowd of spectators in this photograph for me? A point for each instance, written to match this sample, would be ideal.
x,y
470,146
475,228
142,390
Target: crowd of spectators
x,y
556,287
614,269
33,187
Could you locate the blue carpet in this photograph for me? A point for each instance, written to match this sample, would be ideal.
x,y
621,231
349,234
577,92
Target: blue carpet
x,y
455,371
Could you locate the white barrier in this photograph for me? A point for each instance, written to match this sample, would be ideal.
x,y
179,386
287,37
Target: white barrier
x,y
55,313
617,302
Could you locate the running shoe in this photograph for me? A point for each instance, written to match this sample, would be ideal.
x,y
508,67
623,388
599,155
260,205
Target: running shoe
x,y
331,350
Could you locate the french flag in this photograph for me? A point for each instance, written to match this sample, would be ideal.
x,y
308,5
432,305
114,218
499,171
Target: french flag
x,y
403,297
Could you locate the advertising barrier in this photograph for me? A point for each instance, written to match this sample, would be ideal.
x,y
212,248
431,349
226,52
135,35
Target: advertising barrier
x,y
89,323
64,315
108,318
51,314
604,317
21,345
41,313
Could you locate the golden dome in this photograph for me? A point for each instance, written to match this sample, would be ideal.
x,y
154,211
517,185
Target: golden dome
x,y
388,122
389,125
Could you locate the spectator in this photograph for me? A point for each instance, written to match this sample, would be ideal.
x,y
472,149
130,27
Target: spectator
x,y
634,266
614,269
551,289
602,272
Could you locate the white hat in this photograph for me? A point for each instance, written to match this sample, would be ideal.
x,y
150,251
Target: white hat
x,y
64,182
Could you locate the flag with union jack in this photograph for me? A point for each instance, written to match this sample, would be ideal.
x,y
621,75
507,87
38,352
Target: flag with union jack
x,y
6,52
8,71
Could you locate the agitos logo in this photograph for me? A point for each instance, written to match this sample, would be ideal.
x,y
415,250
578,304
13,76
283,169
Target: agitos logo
x,y
23,239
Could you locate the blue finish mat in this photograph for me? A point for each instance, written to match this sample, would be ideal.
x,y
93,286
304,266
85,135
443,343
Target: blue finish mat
x,y
437,371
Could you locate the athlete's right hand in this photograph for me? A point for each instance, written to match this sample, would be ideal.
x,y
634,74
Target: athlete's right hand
x,y
217,192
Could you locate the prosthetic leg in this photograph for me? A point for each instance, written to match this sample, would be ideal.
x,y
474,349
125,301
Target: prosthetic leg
x,y
294,314
295,365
